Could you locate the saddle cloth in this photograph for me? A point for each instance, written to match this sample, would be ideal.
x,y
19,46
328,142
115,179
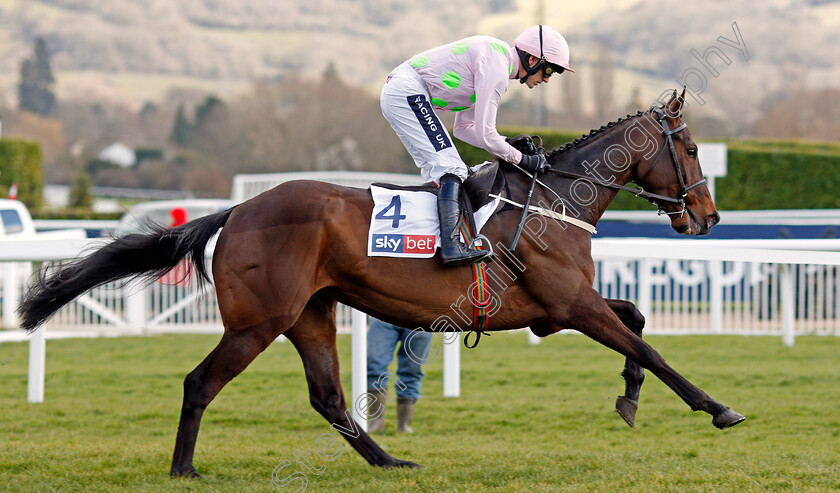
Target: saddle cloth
x,y
404,223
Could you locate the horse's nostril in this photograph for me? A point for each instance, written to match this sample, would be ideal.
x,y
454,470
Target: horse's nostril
x,y
712,219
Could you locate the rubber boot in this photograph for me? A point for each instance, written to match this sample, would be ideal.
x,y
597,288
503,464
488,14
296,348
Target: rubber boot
x,y
452,251
405,413
377,424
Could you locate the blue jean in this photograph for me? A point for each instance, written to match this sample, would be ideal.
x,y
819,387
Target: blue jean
x,y
414,346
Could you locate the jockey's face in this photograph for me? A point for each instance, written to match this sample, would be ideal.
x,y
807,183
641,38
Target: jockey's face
x,y
535,79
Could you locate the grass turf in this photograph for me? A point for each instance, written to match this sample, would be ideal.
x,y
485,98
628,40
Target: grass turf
x,y
530,418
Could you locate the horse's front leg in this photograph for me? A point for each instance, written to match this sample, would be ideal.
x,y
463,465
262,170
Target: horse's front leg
x,y
591,315
627,404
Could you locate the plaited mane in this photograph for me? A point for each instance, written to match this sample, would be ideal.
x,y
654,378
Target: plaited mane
x,y
592,133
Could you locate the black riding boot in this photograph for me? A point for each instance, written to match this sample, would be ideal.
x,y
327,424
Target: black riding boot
x,y
452,251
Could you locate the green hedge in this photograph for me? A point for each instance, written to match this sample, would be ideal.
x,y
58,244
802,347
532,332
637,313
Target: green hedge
x,y
759,179
20,162
762,174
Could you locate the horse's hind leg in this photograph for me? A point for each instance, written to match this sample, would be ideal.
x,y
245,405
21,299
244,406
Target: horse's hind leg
x,y
633,374
234,353
314,337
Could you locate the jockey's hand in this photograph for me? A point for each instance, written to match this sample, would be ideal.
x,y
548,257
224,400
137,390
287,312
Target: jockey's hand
x,y
523,143
534,163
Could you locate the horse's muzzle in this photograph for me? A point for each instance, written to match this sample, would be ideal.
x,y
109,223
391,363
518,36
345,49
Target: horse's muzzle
x,y
712,219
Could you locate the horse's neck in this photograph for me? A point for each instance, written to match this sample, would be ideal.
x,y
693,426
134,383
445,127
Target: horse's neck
x,y
577,194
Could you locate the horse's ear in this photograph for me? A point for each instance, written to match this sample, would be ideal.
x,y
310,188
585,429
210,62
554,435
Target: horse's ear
x,y
674,106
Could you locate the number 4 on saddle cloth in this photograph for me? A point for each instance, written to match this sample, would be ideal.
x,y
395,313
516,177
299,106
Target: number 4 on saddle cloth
x,y
404,222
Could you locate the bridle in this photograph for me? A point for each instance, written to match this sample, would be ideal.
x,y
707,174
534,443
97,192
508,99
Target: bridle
x,y
668,134
656,199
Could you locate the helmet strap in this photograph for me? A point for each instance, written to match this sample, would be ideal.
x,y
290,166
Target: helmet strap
x,y
525,59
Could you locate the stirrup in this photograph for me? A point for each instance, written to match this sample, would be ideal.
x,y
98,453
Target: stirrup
x,y
466,257
490,258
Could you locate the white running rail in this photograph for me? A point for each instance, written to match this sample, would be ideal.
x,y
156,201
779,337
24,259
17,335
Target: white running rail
x,y
761,287
247,186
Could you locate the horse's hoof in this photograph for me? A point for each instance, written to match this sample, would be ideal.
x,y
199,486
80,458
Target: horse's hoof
x,y
186,473
404,463
626,408
727,419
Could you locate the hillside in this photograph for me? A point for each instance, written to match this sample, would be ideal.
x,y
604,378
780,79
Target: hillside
x,y
132,51
225,41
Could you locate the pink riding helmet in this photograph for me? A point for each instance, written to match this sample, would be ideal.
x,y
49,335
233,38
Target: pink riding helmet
x,y
545,41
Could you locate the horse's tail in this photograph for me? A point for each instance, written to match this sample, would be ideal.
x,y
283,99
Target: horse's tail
x,y
144,255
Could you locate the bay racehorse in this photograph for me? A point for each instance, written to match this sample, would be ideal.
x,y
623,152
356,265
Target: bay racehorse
x,y
286,257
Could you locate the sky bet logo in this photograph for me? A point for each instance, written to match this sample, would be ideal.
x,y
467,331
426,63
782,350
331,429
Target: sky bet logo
x,y
403,243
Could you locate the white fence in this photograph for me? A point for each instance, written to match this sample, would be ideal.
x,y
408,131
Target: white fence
x,y
760,287
681,286
250,185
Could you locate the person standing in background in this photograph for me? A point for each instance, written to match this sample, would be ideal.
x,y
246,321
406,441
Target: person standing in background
x,y
383,338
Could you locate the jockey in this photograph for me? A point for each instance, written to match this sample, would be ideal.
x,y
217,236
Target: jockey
x,y
467,77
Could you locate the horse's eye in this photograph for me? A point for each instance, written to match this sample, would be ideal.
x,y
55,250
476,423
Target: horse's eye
x,y
692,152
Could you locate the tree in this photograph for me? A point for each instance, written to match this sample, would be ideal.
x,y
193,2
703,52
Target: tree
x,y
182,128
211,121
35,92
80,196
807,114
42,62
211,109
331,75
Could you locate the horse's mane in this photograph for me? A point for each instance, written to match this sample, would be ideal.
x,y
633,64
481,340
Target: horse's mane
x,y
592,133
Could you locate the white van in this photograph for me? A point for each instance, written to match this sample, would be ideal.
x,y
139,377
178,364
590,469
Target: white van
x,y
16,224
15,220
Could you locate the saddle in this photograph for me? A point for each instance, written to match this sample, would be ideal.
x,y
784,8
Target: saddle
x,y
483,180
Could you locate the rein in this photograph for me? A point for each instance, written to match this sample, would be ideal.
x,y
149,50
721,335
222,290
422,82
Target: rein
x,y
638,192
668,133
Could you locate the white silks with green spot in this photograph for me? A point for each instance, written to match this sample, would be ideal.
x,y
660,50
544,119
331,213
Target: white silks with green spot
x,y
408,107
467,77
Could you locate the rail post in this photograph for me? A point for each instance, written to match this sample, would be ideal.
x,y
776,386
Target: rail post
x,y
788,315
135,306
451,364
11,288
644,298
37,365
359,365
716,296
